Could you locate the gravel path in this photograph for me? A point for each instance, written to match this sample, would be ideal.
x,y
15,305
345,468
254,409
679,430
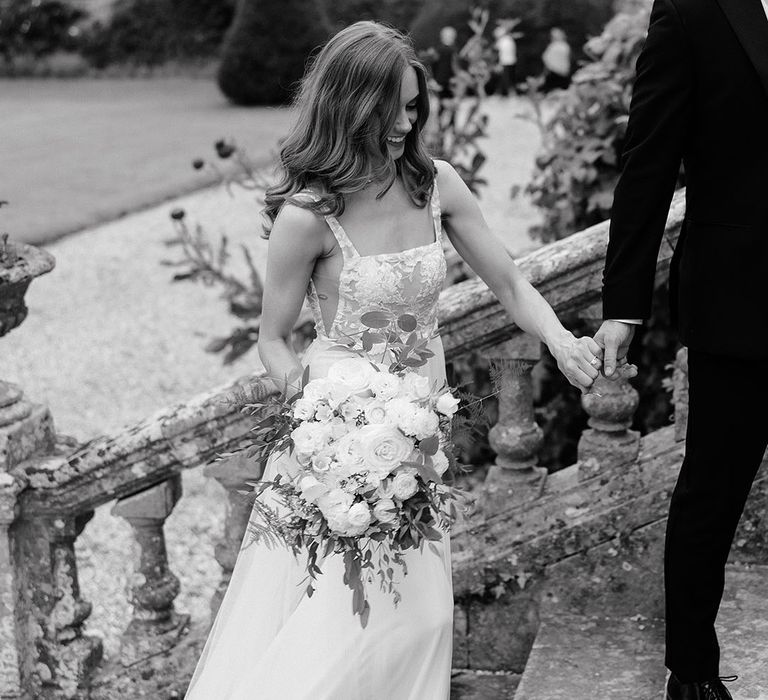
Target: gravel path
x,y
109,340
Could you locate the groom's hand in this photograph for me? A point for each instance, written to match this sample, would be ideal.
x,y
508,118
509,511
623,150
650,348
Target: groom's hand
x,y
614,338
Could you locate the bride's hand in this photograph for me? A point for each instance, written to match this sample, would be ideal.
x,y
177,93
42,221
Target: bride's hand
x,y
579,359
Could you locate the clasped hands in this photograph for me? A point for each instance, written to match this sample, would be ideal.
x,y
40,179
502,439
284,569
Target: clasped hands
x,y
583,360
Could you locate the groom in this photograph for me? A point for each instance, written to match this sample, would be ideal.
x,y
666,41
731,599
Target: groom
x,y
700,97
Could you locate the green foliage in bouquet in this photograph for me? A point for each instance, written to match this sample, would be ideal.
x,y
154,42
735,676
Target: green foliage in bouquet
x,y
578,164
266,49
364,467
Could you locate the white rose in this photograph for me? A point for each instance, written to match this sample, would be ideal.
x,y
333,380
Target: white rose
x,y
360,516
404,485
354,372
425,423
309,438
303,409
338,393
350,410
335,507
316,391
385,385
323,412
348,452
401,412
338,428
385,511
311,488
447,404
321,462
384,490
440,462
375,412
417,386
383,448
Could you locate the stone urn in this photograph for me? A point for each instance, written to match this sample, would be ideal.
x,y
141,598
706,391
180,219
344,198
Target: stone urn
x,y
23,426
19,265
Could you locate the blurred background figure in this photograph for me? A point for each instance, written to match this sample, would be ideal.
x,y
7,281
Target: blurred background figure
x,y
506,49
444,64
557,61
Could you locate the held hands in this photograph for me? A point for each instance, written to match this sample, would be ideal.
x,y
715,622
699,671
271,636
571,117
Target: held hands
x,y
614,338
581,359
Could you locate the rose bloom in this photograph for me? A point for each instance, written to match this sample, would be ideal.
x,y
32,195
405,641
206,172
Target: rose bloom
x,y
375,412
440,462
447,404
425,423
323,412
354,372
350,410
385,511
321,462
309,482
309,438
338,393
401,412
383,448
338,428
303,409
404,485
315,391
385,385
359,518
348,452
417,386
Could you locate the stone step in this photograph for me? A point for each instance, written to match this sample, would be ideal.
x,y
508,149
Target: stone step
x,y
579,657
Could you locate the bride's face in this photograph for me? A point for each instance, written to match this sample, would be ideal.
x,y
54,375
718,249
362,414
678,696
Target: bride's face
x,y
406,113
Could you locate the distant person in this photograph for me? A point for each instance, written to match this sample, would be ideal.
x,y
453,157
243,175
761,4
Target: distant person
x,y
506,49
557,61
444,67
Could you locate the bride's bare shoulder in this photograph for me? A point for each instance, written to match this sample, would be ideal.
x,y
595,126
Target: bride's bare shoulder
x,y
300,226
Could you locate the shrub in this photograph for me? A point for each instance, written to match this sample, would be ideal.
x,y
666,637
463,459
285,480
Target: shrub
x,y
266,49
36,28
398,13
153,32
578,164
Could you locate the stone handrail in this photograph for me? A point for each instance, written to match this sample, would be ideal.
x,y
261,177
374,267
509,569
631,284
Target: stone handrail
x,y
48,491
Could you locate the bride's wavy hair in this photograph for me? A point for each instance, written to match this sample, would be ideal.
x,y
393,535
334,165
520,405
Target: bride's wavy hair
x,y
346,106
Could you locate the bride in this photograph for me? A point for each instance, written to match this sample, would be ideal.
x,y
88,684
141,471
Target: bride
x,y
356,224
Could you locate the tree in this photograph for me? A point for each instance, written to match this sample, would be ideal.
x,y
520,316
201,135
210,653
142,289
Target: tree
x,y
266,49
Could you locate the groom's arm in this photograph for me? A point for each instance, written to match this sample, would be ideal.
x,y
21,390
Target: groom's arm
x,y
653,149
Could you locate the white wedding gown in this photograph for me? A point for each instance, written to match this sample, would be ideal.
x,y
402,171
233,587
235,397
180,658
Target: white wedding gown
x,y
270,641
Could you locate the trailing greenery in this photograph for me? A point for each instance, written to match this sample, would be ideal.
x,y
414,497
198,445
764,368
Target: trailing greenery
x,y
266,49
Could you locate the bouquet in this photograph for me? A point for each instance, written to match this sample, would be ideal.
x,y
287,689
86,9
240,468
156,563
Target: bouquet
x,y
365,471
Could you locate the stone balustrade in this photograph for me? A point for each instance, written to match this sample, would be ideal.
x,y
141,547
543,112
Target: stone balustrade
x,y
49,488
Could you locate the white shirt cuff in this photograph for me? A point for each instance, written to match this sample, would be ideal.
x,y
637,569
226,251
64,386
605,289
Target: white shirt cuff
x,y
633,321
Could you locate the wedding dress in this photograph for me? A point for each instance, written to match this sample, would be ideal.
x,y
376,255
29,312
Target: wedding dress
x,y
270,641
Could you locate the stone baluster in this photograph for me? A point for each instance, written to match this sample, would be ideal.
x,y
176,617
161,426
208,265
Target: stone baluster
x,y
680,393
76,655
516,438
233,473
611,405
12,632
156,626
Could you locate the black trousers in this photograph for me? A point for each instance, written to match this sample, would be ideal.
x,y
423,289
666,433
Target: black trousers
x,y
508,79
726,439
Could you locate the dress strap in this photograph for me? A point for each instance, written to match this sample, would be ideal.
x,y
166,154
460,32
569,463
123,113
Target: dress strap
x,y
347,247
434,203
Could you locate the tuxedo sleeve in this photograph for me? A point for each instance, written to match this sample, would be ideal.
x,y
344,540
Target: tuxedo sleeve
x,y
653,149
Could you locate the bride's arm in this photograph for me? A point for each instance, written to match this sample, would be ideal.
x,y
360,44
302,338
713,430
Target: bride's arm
x,y
486,255
295,242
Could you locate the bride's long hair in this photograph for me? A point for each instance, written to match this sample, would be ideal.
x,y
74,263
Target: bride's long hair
x,y
346,107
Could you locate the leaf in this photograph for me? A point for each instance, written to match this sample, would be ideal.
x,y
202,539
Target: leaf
x,y
427,473
407,322
430,445
376,319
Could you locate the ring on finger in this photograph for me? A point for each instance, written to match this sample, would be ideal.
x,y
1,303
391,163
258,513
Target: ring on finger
x,y
594,361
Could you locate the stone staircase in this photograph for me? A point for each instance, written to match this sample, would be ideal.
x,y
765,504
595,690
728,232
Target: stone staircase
x,y
589,657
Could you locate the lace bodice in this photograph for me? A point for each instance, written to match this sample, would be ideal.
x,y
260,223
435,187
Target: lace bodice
x,y
409,282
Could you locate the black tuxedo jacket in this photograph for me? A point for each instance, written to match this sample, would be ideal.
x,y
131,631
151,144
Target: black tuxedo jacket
x,y
700,96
